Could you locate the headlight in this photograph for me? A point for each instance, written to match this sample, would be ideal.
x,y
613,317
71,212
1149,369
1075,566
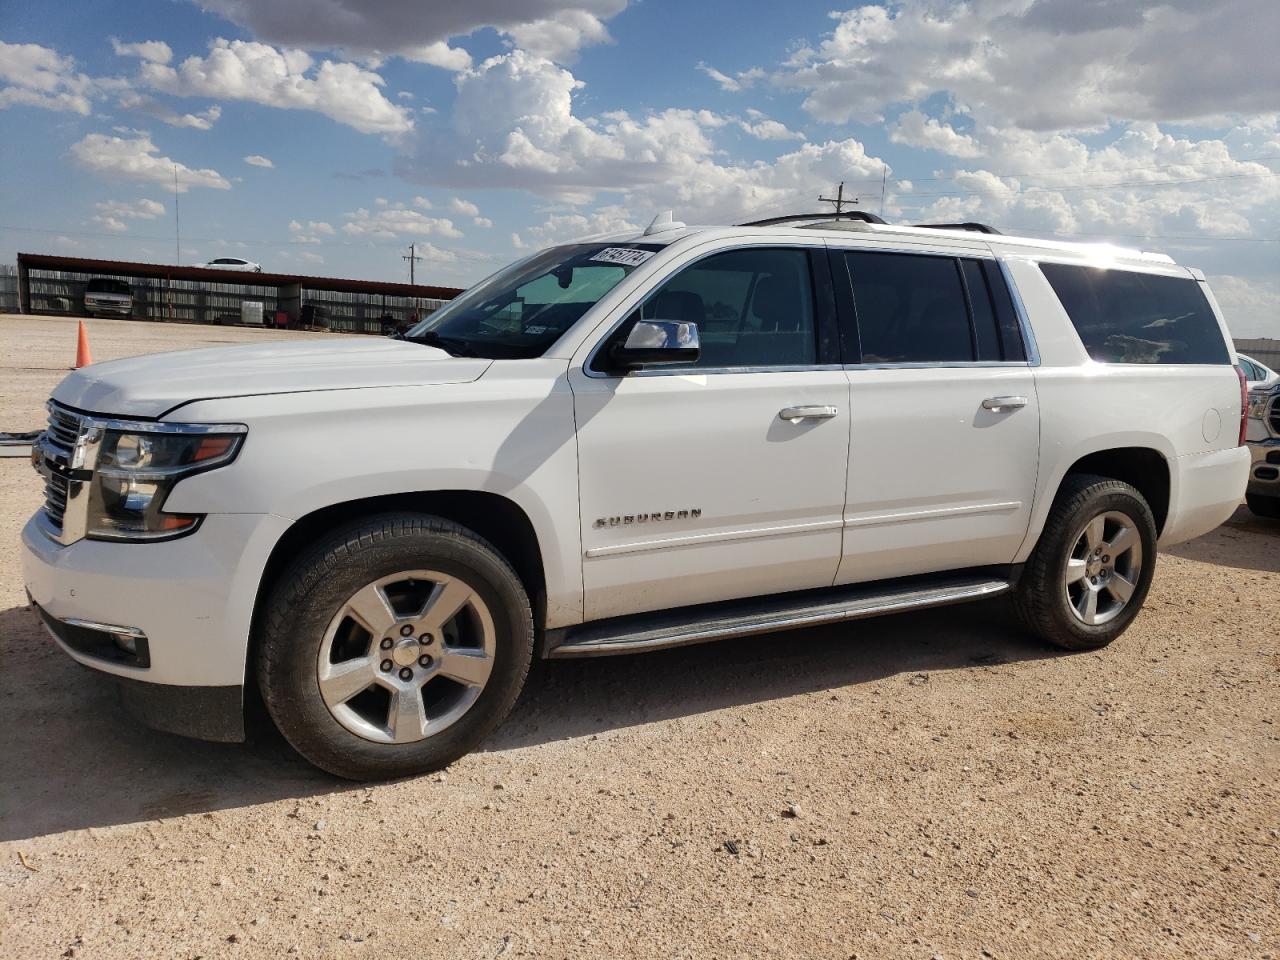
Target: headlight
x,y
1258,405
139,464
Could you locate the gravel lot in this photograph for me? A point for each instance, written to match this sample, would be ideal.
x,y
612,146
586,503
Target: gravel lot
x,y
958,790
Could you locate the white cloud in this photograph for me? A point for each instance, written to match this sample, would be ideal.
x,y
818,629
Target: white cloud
x,y
1048,65
563,227
744,78
420,202
1251,306
259,73
149,105
310,232
464,207
1144,182
513,125
36,76
406,27
397,220
152,51
482,222
137,158
916,130
112,214
256,160
439,54
559,38
767,129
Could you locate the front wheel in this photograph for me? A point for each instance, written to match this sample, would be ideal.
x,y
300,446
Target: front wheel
x,y
1263,506
394,647
1089,574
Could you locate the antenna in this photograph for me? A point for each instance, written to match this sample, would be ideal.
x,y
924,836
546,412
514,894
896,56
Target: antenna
x,y
839,199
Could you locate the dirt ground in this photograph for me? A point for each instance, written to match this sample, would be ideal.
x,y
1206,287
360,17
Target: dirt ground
x,y
960,791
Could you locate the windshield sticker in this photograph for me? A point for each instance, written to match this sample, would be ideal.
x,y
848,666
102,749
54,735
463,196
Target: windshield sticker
x,y
623,255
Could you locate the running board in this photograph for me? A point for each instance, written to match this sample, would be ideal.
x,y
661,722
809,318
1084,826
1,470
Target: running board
x,y
740,618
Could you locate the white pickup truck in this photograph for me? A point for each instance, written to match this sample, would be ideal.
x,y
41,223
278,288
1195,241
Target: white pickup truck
x,y
644,440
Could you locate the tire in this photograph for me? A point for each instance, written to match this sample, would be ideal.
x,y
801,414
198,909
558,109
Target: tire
x,y
316,646
1052,596
1263,506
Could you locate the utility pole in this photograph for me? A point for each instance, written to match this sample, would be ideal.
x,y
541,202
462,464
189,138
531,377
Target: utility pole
x,y
413,257
838,199
884,179
177,226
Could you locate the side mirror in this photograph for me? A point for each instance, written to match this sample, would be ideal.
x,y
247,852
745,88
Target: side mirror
x,y
657,343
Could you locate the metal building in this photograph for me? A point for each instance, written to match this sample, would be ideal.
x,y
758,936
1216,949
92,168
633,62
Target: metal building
x,y
51,284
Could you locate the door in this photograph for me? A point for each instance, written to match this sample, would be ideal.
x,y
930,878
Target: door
x,y
944,429
694,486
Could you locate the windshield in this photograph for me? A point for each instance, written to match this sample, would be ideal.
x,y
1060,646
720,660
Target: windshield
x,y
104,285
524,309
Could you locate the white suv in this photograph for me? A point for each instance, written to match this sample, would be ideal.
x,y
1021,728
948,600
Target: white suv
x,y
644,440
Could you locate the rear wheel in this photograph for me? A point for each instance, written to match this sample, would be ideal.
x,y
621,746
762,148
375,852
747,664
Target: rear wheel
x,y
1089,574
394,647
1264,506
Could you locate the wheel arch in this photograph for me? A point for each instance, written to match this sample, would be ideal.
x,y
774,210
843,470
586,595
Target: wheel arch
x,y
498,519
1143,468
1143,461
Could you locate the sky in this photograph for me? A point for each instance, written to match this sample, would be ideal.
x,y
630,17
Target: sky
x,y
325,137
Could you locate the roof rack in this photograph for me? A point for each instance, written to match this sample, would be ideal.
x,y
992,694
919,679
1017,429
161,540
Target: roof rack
x,y
797,217
968,225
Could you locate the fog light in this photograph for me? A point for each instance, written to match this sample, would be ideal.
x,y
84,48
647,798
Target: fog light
x,y
126,643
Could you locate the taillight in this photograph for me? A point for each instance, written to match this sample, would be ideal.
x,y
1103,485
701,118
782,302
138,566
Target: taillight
x,y
1244,404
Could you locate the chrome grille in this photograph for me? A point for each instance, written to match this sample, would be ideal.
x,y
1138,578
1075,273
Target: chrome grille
x,y
64,427
1273,415
55,498
61,437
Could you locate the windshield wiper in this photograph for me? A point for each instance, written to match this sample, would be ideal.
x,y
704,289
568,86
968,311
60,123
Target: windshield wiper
x,y
454,346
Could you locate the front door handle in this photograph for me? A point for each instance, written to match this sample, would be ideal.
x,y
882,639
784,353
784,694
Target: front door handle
x,y
796,414
1003,403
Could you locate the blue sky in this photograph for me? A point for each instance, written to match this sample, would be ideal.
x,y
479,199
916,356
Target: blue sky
x,y
325,138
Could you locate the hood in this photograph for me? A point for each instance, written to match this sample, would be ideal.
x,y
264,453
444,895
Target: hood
x,y
151,384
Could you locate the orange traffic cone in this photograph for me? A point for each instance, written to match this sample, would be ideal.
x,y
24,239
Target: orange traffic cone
x,y
83,358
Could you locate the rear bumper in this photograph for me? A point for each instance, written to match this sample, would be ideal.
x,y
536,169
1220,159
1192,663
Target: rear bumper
x,y
1207,489
1264,470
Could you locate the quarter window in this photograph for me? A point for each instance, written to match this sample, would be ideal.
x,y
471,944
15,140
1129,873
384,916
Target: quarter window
x,y
1127,317
910,308
753,307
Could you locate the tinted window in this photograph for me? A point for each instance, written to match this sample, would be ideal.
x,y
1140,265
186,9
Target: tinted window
x,y
752,307
984,315
1127,317
105,285
995,323
911,309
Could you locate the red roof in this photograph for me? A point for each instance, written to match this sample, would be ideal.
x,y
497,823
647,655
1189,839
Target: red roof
x,y
164,271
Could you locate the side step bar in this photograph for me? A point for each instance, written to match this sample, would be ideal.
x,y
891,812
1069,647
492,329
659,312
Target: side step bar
x,y
739,618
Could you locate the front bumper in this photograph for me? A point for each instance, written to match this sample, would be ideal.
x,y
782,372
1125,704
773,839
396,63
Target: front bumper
x,y
192,600
1264,471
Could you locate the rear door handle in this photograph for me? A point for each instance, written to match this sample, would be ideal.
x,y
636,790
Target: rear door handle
x,y
796,414
1003,403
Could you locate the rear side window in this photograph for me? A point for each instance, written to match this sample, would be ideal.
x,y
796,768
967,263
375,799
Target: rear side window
x,y
911,308
1127,317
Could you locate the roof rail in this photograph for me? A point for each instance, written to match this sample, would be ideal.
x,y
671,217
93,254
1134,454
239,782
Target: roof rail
x,y
968,225
797,217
